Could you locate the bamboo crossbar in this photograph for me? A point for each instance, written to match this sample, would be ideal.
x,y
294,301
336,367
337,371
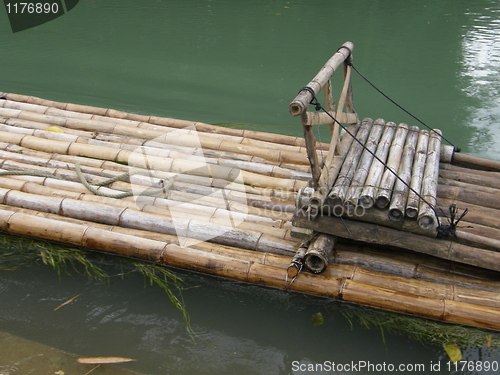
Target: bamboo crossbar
x,y
302,100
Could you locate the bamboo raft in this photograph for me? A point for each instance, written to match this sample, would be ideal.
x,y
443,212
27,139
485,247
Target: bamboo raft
x,y
237,203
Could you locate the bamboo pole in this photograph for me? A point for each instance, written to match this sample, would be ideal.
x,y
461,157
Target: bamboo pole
x,y
417,174
376,234
302,100
359,178
414,269
487,180
466,196
367,199
339,190
384,191
426,214
319,252
334,162
476,162
397,207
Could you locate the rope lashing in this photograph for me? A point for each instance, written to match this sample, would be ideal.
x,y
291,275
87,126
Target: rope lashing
x,y
166,182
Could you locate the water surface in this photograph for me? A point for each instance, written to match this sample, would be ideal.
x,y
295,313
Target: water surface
x,y
241,63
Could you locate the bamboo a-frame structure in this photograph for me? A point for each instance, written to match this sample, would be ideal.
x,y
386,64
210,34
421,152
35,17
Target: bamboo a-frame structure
x,y
322,172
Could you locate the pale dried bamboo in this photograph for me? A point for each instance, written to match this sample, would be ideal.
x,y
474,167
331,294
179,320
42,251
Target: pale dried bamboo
x,y
426,214
335,161
384,190
417,174
164,164
339,190
367,199
359,178
101,114
400,193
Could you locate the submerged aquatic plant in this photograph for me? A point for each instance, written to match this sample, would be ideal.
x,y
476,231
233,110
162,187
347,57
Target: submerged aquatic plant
x,y
17,252
426,331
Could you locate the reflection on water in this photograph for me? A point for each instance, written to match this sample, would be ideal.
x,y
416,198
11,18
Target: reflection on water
x,y
481,78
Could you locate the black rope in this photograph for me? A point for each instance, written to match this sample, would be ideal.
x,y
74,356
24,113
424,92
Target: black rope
x,y
314,101
348,61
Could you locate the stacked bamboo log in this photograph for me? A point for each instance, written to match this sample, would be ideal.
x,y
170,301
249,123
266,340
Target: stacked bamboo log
x,y
228,212
386,167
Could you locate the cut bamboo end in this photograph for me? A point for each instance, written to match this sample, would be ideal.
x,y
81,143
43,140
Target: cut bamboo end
x,y
317,256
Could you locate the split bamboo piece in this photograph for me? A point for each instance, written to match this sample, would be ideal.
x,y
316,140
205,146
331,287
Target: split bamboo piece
x,y
367,199
339,190
397,207
359,178
426,212
384,190
413,201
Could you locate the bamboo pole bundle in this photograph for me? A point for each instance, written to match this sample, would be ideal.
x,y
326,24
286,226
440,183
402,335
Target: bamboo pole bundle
x,y
183,192
339,190
172,210
426,214
110,169
367,199
123,216
413,201
246,137
384,190
180,137
245,270
319,252
82,111
397,207
380,235
359,178
164,164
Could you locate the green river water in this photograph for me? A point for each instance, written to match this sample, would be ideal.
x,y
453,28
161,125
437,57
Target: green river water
x,y
241,63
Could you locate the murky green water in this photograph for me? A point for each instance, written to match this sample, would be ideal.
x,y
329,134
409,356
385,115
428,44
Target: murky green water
x,y
242,62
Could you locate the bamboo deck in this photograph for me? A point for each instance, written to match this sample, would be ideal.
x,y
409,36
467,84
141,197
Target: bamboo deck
x,y
230,209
